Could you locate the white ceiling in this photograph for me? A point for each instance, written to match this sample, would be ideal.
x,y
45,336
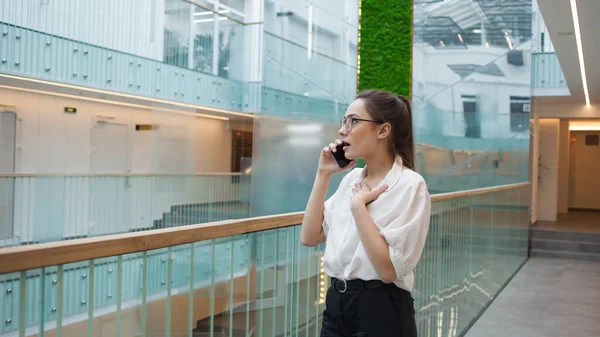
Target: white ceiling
x,y
559,20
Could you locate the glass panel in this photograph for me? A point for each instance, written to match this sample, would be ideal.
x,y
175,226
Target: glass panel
x,y
309,78
128,311
475,245
547,72
472,92
281,182
267,283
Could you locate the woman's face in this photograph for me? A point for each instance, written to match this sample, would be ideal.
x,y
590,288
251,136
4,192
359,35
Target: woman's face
x,y
363,137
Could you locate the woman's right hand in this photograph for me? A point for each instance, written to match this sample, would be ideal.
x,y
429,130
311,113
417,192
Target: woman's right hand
x,y
328,164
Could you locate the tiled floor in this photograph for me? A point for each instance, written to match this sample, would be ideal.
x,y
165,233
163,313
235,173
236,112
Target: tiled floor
x,y
575,221
548,297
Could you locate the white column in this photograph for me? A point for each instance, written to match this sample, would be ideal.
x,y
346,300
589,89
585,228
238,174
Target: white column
x,y
548,184
216,40
191,37
563,168
534,166
254,14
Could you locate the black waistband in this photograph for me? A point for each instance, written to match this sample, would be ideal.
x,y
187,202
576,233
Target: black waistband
x,y
353,285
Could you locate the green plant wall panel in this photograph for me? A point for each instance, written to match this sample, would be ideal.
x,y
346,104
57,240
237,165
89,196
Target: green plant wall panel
x,y
385,45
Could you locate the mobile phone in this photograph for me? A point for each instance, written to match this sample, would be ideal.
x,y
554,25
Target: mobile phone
x,y
340,156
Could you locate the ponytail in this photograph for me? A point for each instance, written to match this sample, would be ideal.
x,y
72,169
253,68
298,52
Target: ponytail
x,y
403,141
396,110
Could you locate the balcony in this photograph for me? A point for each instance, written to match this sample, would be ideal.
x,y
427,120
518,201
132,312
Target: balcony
x,y
251,277
547,78
37,51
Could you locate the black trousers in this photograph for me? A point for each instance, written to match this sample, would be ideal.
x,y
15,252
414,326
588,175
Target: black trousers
x,y
371,312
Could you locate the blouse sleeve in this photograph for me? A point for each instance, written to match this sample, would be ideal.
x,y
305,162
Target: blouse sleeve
x,y
327,211
408,226
330,203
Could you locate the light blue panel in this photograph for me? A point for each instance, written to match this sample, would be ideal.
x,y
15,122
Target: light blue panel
x,y
547,72
287,67
49,209
53,58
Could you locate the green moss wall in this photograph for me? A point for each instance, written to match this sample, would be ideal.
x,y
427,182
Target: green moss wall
x,y
385,45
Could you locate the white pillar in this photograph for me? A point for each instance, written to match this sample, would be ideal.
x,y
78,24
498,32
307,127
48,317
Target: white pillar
x,y
191,37
254,12
534,166
549,132
216,40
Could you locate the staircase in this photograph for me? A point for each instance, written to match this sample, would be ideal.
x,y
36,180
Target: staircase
x,y
566,245
182,215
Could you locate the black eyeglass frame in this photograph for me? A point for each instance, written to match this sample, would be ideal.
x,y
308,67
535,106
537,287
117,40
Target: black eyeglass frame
x,y
344,120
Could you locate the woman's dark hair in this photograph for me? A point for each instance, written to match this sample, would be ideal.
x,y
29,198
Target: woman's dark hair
x,y
394,109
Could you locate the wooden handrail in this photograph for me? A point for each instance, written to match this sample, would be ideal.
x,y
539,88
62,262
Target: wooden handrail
x,y
478,191
53,253
73,175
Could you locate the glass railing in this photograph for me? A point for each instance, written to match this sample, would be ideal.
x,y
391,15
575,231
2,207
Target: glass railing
x,y
279,103
318,88
475,245
471,91
456,169
293,68
56,55
252,277
38,208
546,71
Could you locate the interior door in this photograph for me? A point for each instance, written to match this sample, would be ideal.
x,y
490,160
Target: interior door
x,y
586,165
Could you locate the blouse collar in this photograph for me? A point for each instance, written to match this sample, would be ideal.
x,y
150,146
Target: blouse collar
x,y
390,178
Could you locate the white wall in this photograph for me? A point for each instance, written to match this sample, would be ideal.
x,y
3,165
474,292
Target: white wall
x,y
548,173
53,142
563,167
133,26
568,111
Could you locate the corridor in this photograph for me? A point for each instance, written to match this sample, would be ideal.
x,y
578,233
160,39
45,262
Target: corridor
x,y
547,297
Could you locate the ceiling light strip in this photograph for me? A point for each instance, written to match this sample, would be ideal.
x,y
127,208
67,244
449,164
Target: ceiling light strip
x,y
580,51
103,101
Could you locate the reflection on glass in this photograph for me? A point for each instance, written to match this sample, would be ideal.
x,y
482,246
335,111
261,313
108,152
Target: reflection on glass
x,y
472,92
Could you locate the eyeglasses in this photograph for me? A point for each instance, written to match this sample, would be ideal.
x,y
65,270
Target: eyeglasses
x,y
348,122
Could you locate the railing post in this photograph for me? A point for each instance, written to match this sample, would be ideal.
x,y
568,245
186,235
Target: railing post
x,y
22,303
91,268
119,293
191,304
59,301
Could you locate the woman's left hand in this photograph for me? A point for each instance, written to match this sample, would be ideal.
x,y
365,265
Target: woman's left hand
x,y
363,195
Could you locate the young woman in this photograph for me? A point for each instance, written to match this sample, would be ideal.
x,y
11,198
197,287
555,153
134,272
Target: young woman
x,y
376,223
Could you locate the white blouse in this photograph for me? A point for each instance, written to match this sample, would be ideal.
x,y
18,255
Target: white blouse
x,y
401,214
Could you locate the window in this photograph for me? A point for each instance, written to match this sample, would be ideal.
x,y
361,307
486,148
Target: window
x,y
519,113
471,115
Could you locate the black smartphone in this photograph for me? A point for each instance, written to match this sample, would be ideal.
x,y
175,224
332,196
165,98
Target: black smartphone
x,y
340,157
